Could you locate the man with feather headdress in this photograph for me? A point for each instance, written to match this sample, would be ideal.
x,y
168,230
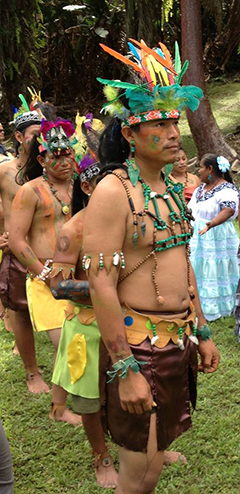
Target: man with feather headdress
x,y
136,255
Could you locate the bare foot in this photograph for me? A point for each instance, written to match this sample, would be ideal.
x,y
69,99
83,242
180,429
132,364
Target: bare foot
x,y
62,414
105,472
15,350
173,457
36,384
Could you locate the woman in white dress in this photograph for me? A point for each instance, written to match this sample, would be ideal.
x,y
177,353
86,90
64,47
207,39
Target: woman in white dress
x,y
214,244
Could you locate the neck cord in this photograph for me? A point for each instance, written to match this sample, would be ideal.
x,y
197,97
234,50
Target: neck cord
x,y
65,208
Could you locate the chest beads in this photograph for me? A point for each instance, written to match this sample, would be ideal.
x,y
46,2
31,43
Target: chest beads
x,y
183,218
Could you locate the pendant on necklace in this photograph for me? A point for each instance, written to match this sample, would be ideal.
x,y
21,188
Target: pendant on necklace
x,y
65,209
153,194
166,196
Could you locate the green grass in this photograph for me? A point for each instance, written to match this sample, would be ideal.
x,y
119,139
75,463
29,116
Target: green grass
x,y
225,103
54,458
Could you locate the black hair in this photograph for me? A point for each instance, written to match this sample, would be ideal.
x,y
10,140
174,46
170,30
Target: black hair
x,y
114,149
211,160
32,168
79,198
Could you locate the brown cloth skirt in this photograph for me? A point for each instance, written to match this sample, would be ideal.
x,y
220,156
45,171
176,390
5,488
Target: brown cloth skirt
x,y
172,375
13,283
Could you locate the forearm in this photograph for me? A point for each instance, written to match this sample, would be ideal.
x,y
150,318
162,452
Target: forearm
x,y
223,216
110,321
196,300
26,256
75,290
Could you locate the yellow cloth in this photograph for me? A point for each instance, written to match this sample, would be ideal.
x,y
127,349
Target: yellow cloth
x,y
45,311
0,256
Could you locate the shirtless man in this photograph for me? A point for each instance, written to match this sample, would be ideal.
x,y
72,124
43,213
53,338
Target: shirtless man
x,y
12,273
39,210
135,242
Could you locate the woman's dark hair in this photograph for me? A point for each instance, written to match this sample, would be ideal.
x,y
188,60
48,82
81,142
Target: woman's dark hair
x,y
32,168
211,160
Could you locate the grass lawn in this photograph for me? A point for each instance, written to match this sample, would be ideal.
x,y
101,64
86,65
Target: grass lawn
x,y
225,103
54,458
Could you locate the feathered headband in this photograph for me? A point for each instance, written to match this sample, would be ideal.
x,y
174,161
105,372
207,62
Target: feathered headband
x,y
158,95
24,116
88,130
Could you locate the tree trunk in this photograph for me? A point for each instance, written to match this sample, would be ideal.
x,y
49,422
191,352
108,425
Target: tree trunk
x,y
206,133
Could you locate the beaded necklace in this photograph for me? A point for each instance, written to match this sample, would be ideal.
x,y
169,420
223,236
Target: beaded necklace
x,y
174,190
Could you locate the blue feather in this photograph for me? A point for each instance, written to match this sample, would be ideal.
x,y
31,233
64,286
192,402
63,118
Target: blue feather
x,y
14,109
134,51
160,53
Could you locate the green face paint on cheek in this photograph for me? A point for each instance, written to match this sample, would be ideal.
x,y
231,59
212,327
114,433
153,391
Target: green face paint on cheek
x,y
154,140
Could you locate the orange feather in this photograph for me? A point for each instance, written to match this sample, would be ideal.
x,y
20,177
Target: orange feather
x,y
122,58
154,54
166,53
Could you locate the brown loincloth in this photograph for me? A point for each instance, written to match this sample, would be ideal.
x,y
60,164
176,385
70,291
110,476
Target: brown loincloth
x,y
172,376
13,283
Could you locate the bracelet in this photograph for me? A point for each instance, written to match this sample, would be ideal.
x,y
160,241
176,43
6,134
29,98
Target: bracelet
x,y
44,274
122,366
205,332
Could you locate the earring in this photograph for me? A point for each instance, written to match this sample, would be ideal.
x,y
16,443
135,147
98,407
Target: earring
x,y
209,177
89,195
133,170
44,173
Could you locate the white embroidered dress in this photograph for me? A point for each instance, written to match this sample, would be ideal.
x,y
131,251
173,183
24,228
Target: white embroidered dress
x,y
214,254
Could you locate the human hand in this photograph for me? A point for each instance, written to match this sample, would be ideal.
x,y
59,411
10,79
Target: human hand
x,y
135,393
205,230
210,357
4,240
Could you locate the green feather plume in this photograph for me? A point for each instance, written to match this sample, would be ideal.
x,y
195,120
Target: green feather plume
x,y
119,84
24,103
178,63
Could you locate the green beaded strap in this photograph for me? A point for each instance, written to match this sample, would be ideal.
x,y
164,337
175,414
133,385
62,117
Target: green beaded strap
x,y
121,367
205,332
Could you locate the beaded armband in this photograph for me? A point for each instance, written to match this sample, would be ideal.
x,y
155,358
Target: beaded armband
x,y
98,262
205,332
121,367
66,269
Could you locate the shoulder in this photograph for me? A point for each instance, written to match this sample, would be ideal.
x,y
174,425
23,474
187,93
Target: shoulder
x,y
8,166
111,192
194,179
25,197
226,187
74,226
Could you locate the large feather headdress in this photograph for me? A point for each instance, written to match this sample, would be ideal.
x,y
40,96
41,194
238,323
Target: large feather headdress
x,y
158,93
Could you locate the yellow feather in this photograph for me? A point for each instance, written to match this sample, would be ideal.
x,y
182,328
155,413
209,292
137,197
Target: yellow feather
x,y
150,69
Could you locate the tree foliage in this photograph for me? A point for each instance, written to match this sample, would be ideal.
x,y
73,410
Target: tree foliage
x,y
22,39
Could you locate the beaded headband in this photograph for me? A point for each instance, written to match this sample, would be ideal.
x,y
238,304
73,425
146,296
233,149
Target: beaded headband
x,y
158,94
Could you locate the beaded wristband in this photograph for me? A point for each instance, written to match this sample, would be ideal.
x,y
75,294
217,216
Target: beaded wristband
x,y
205,332
44,274
121,367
